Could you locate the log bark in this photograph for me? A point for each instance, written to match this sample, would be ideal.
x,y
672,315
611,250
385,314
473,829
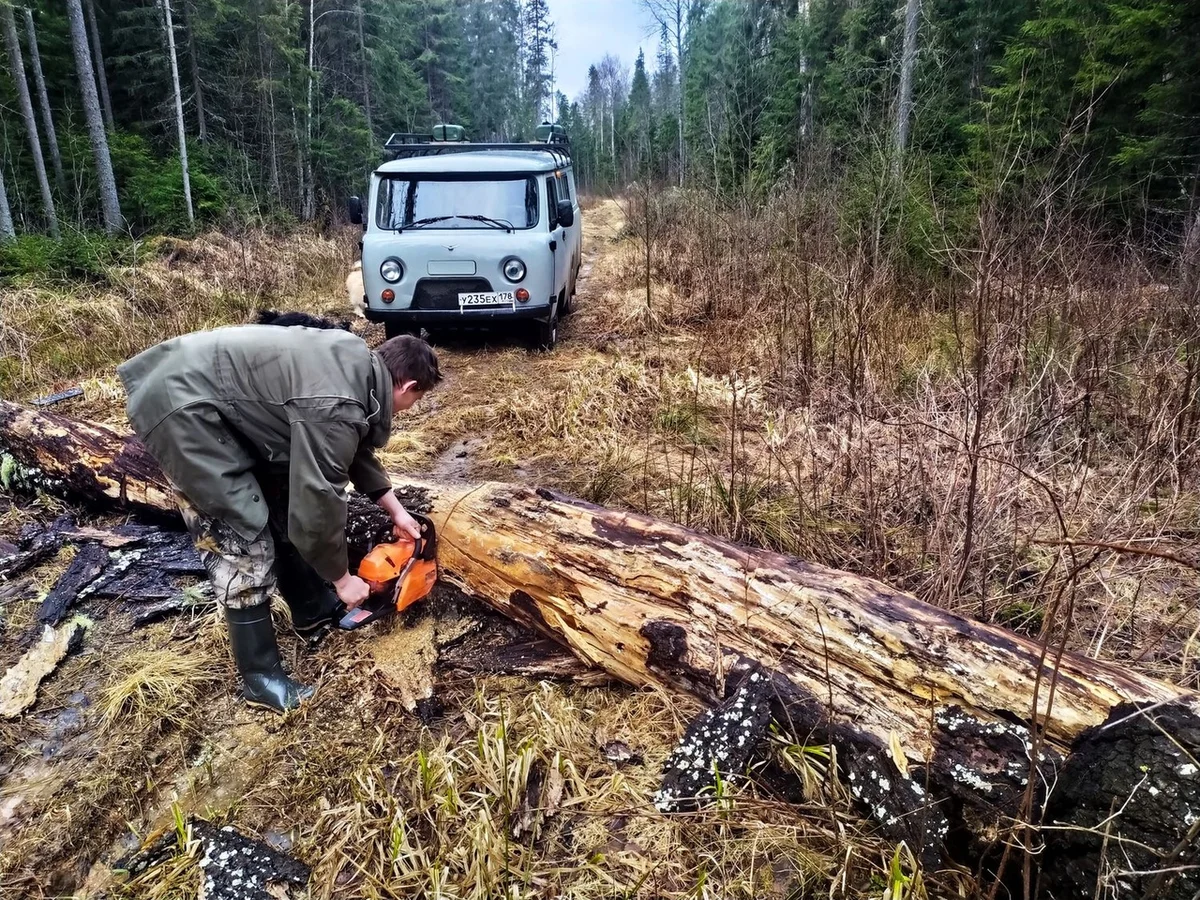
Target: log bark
x,y
931,715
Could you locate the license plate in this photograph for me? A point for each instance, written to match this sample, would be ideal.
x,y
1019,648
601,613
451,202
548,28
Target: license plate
x,y
486,298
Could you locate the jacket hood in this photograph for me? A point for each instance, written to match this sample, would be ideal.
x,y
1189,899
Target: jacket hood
x,y
381,410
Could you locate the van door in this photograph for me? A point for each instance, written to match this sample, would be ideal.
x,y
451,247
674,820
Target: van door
x,y
566,188
558,234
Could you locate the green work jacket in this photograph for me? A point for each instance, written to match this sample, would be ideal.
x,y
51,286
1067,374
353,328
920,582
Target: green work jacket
x,y
216,406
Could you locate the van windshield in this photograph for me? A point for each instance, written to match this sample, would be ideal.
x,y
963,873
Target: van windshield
x,y
445,203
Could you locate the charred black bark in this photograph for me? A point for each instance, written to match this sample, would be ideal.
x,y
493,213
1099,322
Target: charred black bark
x,y
716,747
36,545
1124,819
238,868
87,565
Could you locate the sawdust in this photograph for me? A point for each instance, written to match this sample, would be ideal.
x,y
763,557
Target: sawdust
x,y
405,654
18,687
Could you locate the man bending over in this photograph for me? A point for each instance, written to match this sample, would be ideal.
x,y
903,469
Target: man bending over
x,y
259,430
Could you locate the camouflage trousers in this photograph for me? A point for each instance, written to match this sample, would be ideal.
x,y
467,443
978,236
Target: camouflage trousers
x,y
242,572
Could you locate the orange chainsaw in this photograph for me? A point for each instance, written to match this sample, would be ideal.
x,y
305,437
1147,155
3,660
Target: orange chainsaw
x,y
399,574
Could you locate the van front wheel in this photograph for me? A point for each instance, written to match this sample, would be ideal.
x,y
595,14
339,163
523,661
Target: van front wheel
x,y
545,335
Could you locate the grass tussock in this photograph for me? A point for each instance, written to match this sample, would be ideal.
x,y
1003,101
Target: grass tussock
x,y
151,687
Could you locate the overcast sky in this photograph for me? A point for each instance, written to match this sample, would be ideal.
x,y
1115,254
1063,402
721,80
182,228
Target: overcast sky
x,y
588,29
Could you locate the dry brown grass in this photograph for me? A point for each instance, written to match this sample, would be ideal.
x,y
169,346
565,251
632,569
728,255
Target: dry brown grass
x,y
152,687
53,335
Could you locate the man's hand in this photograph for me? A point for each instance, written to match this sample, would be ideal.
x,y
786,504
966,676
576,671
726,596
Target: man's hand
x,y
351,590
403,522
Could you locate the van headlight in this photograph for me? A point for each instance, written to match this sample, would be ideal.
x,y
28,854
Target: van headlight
x,y
514,269
392,270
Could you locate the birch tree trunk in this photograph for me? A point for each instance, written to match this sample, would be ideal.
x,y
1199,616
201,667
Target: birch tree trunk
x,y
679,26
197,87
17,66
7,232
802,10
39,81
612,131
366,70
310,201
111,207
183,160
298,140
101,74
908,61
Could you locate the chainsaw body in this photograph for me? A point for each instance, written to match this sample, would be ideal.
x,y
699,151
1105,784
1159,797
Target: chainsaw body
x,y
399,573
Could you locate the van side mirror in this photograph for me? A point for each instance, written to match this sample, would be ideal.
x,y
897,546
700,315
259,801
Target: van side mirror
x,y
354,209
566,213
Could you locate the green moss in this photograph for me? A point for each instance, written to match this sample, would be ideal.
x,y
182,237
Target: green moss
x,y
1021,615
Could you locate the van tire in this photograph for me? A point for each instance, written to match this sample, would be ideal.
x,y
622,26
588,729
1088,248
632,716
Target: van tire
x,y
568,301
545,334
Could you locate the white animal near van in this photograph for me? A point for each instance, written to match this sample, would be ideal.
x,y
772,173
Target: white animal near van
x,y
470,235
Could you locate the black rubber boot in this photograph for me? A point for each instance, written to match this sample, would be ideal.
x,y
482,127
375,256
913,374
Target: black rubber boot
x,y
313,602
252,639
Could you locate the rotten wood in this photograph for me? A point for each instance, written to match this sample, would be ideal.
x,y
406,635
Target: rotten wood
x,y
19,685
929,712
51,399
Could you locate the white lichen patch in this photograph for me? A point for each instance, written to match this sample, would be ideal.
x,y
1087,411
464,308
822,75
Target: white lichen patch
x,y
1187,770
119,563
893,800
971,778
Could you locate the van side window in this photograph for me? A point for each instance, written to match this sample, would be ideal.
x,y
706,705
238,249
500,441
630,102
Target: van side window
x,y
563,186
552,202
531,201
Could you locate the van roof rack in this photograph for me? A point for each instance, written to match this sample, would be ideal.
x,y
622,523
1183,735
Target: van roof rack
x,y
401,138
406,145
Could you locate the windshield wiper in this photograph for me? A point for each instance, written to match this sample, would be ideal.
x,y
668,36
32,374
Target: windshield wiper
x,y
488,220
429,221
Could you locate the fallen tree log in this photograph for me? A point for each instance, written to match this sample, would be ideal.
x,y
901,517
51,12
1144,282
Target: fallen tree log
x,y
939,723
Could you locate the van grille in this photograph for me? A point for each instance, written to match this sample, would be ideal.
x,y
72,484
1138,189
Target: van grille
x,y
442,293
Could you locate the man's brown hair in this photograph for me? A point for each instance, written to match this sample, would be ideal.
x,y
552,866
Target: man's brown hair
x,y
409,358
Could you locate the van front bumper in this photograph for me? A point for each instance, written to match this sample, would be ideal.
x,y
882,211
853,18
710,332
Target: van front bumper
x,y
453,318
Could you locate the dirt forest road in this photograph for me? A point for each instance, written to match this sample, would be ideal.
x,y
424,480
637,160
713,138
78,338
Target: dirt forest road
x,y
504,411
